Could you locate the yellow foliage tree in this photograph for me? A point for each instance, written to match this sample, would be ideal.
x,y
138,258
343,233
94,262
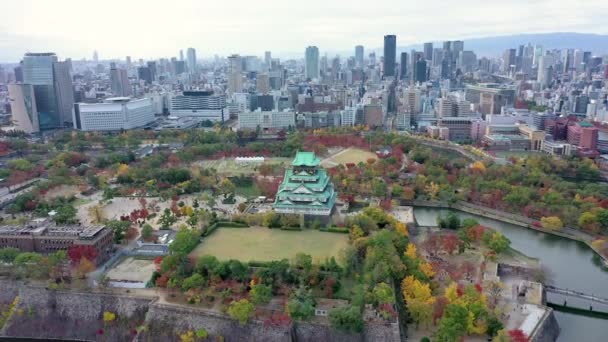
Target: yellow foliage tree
x,y
109,316
401,228
122,169
419,299
552,222
427,269
188,336
478,167
411,251
432,189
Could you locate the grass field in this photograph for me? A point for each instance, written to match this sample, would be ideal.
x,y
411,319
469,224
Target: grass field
x,y
247,191
229,167
132,269
263,244
350,155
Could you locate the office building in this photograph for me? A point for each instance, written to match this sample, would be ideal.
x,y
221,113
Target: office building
x,y
390,55
508,60
457,48
119,81
263,83
489,98
115,114
235,78
359,53
201,104
373,115
583,134
403,66
312,62
316,120
53,88
268,60
23,107
266,121
421,71
191,60
144,74
428,51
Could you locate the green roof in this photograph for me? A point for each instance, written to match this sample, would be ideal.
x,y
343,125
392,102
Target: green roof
x,y
306,159
586,124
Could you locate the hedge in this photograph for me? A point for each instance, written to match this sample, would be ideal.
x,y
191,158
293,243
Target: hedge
x,y
224,224
336,230
291,228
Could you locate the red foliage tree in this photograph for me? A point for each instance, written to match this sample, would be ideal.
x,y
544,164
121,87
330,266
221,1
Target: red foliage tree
x,y
476,233
77,252
450,243
162,281
518,336
439,307
467,268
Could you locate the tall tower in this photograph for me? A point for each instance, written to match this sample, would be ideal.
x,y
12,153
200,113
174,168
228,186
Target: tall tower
x,y
403,66
235,80
359,53
52,84
181,55
95,56
428,51
312,62
390,55
191,56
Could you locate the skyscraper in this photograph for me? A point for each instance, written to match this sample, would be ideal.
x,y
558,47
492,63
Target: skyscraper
x,y
403,66
181,55
23,107
95,56
191,56
428,51
508,59
359,53
52,85
235,79
119,81
390,55
312,62
268,59
421,73
153,71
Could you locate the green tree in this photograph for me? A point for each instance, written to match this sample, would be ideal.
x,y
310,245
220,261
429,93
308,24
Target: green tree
x,y
348,319
193,282
301,304
453,325
146,231
383,293
497,242
65,214
242,311
167,219
119,228
185,240
8,255
260,294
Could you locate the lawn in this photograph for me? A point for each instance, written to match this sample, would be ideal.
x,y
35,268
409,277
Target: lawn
x,y
264,244
228,166
350,155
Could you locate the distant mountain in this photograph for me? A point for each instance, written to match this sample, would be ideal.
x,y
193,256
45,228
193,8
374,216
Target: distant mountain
x,y
495,46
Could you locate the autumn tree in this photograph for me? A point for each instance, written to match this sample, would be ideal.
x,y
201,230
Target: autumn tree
x,y
241,310
551,223
419,300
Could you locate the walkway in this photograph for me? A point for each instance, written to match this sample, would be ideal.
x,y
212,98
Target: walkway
x,y
572,293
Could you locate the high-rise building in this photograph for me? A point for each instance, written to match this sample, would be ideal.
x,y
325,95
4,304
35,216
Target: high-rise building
x,y
235,78
52,88
153,70
128,61
95,56
268,59
263,83
359,53
191,60
23,107
181,55
18,74
428,51
144,74
119,81
390,55
457,47
421,72
403,66
312,62
508,59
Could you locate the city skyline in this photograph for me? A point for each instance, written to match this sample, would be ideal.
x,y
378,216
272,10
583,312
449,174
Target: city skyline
x,y
53,27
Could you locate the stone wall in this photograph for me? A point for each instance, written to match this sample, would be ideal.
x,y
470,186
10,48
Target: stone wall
x,y
45,313
547,330
9,289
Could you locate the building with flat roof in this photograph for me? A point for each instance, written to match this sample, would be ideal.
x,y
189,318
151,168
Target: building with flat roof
x,y
23,107
266,121
202,104
115,114
43,236
306,188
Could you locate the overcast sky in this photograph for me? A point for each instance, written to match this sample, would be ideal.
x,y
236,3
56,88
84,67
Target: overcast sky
x,y
160,28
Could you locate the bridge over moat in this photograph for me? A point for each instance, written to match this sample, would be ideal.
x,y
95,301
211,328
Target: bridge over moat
x,y
582,303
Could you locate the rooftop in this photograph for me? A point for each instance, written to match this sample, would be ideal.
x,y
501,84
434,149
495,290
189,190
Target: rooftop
x,y
306,159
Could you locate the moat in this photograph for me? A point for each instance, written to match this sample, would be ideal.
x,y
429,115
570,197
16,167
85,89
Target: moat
x,y
570,264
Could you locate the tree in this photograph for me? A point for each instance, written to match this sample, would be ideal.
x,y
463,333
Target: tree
x,y
301,305
8,255
383,293
552,223
226,187
497,242
119,228
96,214
241,310
77,252
147,232
501,336
195,281
185,240
587,219
84,267
453,325
260,294
65,214
494,326
167,219
349,319
419,299
518,336
450,243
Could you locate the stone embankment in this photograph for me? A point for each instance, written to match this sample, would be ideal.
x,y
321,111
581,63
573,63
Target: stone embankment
x,y
46,314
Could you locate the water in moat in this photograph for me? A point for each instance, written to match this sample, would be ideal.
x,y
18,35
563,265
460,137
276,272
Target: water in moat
x,y
570,265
